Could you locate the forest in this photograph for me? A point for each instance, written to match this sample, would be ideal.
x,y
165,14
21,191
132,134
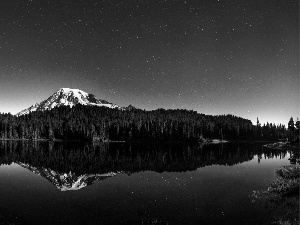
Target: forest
x,y
92,123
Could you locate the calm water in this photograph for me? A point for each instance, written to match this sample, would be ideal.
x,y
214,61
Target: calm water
x,y
81,183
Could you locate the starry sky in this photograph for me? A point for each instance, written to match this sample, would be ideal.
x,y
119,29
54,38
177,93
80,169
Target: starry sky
x,y
237,57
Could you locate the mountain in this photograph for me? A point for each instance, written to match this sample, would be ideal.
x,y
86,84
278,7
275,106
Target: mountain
x,y
67,97
67,181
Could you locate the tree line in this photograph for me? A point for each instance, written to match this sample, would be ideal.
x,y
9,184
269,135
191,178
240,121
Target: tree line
x,y
105,124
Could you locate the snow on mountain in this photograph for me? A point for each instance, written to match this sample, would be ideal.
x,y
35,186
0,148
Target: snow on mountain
x,y
67,181
67,97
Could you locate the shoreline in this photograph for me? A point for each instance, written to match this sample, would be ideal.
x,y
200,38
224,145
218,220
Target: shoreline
x,y
285,188
209,141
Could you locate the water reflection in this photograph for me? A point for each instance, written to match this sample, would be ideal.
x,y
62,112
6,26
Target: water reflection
x,y
74,165
67,181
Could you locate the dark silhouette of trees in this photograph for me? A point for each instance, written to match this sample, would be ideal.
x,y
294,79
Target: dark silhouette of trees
x,y
297,127
104,124
291,128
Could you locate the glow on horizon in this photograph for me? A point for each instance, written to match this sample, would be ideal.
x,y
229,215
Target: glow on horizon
x,y
264,116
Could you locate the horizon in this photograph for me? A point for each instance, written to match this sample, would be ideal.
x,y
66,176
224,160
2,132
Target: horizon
x,y
252,120
215,57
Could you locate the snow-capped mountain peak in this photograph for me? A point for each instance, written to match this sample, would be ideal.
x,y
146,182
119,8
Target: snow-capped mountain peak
x,y
67,97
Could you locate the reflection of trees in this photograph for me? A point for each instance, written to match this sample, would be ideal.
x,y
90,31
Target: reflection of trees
x,y
87,158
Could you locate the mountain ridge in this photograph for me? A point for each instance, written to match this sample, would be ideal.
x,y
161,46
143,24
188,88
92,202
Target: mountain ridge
x,y
68,97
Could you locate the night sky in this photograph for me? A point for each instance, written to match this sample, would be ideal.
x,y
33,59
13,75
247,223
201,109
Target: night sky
x,y
237,57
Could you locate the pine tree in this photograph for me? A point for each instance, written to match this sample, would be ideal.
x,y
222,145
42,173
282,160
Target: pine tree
x,y
297,129
291,128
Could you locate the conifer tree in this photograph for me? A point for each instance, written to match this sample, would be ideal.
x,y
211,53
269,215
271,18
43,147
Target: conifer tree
x,y
291,128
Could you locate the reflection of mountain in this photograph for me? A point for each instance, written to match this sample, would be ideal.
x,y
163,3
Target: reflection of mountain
x,y
86,158
67,181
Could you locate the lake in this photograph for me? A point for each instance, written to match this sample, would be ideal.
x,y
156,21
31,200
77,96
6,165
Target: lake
x,y
118,183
